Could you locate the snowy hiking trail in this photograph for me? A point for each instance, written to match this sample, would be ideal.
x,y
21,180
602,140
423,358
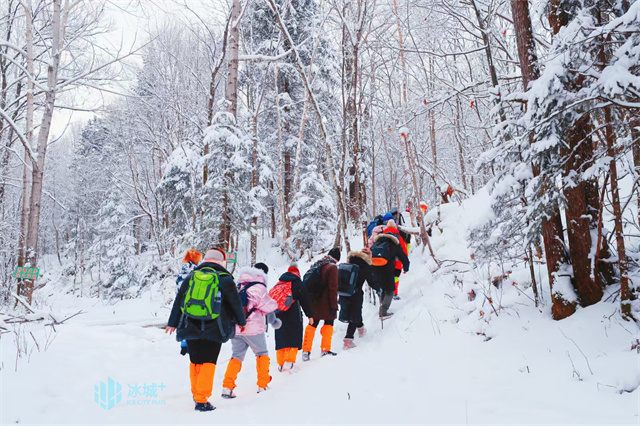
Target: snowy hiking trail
x,y
419,369
428,366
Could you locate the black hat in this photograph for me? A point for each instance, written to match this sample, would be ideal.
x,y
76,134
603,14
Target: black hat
x,y
264,268
335,253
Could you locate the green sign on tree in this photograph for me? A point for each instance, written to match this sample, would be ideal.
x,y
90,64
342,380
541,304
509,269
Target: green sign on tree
x,y
232,257
27,273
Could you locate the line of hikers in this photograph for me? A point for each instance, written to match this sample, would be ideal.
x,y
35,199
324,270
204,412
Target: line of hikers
x,y
211,309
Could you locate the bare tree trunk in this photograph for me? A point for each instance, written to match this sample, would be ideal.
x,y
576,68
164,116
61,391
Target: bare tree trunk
x,y
625,293
635,135
255,178
460,150
578,214
281,171
37,175
232,67
26,178
231,96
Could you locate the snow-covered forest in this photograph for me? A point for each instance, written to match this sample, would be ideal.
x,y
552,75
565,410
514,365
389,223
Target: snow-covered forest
x,y
131,131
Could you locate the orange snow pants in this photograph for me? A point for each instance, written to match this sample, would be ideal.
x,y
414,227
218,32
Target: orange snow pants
x,y
286,355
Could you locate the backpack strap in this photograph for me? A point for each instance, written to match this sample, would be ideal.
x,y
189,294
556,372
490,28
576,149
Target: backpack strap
x,y
245,288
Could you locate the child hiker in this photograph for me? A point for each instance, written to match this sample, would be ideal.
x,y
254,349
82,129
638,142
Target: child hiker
x,y
252,287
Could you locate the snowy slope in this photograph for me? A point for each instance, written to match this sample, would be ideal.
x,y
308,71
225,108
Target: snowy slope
x,y
427,366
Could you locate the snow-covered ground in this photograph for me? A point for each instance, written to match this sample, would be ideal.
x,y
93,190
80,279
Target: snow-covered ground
x,y
437,361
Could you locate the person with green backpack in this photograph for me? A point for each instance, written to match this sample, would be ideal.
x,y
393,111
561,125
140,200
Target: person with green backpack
x,y
205,313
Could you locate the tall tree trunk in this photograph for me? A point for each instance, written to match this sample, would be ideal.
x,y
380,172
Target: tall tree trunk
x,y
634,123
582,198
231,96
255,177
460,148
37,175
625,293
552,233
281,171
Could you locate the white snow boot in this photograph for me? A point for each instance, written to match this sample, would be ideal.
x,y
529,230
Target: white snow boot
x,y
348,344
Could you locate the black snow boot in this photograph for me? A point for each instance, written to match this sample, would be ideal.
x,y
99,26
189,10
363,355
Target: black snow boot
x,y
329,353
204,406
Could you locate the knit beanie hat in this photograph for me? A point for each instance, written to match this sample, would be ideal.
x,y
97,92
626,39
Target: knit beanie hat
x,y
335,253
263,267
215,254
293,268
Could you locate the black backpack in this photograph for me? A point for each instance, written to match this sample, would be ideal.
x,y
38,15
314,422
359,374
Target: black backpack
x,y
244,298
312,280
381,251
347,277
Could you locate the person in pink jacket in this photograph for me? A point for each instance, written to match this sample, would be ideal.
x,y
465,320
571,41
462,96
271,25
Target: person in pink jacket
x,y
252,287
374,232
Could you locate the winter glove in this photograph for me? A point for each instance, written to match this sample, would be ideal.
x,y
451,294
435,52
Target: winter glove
x,y
274,321
184,350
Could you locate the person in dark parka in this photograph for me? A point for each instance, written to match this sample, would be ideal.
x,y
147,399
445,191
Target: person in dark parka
x,y
351,306
385,274
325,307
205,337
289,335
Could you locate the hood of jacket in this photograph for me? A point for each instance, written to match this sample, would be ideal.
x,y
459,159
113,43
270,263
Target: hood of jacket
x,y
325,258
358,255
252,275
392,238
289,277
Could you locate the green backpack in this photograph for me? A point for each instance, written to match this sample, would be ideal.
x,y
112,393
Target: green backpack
x,y
202,299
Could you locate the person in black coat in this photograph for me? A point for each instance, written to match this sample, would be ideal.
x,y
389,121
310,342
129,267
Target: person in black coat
x,y
205,337
351,306
385,275
289,335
